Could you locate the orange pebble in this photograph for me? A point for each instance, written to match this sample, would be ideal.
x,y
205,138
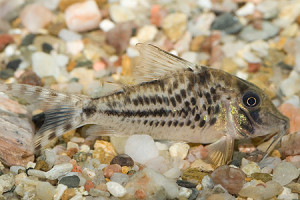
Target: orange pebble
x,y
293,113
97,66
111,169
140,194
88,185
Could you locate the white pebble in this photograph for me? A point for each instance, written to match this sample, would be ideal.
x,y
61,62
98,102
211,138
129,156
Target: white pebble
x,y
84,148
205,4
247,9
129,3
83,16
59,170
251,168
71,145
120,14
10,50
116,189
30,165
173,173
37,173
60,189
132,52
285,172
184,192
75,47
90,173
77,197
161,146
15,169
68,35
45,190
147,33
51,69
106,25
287,194
141,148
50,157
179,150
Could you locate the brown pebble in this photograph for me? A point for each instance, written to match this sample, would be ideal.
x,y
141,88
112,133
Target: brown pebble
x,y
140,194
70,152
111,169
30,78
5,39
253,67
68,194
42,165
123,160
230,178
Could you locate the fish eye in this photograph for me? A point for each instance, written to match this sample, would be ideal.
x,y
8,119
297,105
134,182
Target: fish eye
x,y
251,99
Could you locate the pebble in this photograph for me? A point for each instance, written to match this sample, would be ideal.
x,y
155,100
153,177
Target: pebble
x,y
197,152
288,86
106,25
174,25
247,9
68,35
287,194
285,172
70,181
59,191
44,190
147,33
122,160
120,14
207,182
7,182
15,169
98,193
250,168
83,16
174,172
268,8
261,176
111,169
104,151
13,64
201,165
260,190
141,148
293,113
68,194
35,17
227,23
193,175
58,171
120,178
179,150
5,39
88,185
184,192
116,189
232,179
268,30
295,187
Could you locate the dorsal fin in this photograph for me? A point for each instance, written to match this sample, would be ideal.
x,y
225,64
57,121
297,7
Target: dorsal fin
x,y
155,63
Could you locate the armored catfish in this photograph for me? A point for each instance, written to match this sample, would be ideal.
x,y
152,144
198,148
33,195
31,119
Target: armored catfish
x,y
172,99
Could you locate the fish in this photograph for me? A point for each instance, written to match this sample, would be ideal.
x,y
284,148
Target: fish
x,y
171,99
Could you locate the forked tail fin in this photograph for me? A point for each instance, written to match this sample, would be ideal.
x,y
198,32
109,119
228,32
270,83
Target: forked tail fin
x,y
63,112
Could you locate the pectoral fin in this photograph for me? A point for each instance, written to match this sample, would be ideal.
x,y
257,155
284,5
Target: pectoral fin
x,y
220,152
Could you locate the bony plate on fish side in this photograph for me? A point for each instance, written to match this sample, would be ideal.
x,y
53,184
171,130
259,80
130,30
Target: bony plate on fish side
x,y
172,99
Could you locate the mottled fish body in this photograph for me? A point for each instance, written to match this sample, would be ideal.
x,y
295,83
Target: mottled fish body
x,y
171,100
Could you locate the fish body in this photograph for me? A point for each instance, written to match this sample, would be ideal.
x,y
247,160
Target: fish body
x,y
171,100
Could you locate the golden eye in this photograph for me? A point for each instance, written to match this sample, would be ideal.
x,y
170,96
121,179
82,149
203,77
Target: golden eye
x,y
251,99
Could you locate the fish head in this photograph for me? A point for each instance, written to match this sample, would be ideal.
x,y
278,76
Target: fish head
x,y
253,113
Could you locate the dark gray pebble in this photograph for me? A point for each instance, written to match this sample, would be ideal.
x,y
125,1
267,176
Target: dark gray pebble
x,y
13,64
228,23
70,181
186,184
123,160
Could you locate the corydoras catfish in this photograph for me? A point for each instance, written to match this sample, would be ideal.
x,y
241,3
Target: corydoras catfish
x,y
172,99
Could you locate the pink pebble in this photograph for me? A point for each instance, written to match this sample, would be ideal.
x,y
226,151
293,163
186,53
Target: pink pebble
x,y
83,16
99,66
35,17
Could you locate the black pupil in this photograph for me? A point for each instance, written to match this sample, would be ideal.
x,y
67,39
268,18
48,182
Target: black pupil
x,y
251,99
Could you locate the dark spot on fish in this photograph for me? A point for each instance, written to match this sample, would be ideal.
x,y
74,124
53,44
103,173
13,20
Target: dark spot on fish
x,y
170,91
51,136
191,78
214,98
53,94
213,121
156,123
181,78
67,127
172,99
153,100
197,117
147,100
188,122
133,121
166,100
181,124
228,98
202,123
145,121
200,94
178,98
90,110
208,110
212,90
159,99
140,99
127,100
193,126
183,93
151,123
38,90
193,100
187,104
208,97
169,123
217,109
135,102
193,111
204,107
162,123
175,84
190,87
175,123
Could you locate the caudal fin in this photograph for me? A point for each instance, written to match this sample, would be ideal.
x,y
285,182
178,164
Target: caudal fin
x,y
63,112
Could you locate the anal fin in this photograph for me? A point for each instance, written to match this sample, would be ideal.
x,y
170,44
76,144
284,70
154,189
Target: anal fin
x,y
220,152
